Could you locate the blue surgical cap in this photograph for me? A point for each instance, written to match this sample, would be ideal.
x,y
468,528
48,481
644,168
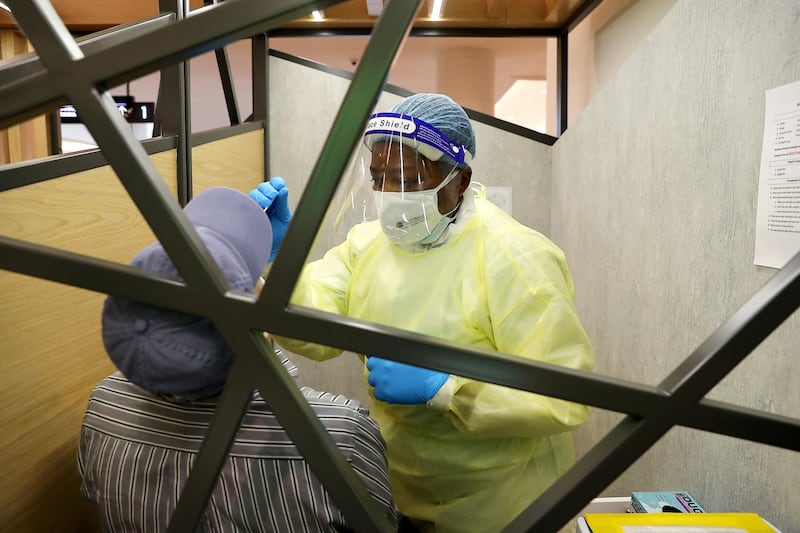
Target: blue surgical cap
x,y
443,113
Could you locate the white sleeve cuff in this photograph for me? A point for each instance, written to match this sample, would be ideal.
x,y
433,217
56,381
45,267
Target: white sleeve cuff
x,y
441,400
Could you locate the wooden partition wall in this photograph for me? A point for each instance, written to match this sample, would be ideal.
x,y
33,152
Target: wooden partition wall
x,y
51,354
29,139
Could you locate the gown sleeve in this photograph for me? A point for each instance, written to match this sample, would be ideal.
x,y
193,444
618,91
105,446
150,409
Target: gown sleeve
x,y
529,291
322,285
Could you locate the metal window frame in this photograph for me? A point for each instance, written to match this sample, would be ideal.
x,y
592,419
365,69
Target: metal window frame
x,y
64,70
560,34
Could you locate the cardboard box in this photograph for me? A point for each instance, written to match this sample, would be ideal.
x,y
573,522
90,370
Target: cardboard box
x,y
664,502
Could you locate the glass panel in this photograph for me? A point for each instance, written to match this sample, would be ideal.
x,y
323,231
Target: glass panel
x,y
508,78
135,101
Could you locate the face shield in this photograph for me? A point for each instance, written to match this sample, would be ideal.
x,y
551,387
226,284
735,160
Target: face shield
x,y
396,177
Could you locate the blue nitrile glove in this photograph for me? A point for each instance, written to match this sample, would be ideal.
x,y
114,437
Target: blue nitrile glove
x,y
273,197
395,382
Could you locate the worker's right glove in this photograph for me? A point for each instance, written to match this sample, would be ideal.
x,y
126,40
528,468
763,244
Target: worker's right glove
x,y
400,383
273,197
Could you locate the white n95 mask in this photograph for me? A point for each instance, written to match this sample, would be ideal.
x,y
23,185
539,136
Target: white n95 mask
x,y
413,217
404,154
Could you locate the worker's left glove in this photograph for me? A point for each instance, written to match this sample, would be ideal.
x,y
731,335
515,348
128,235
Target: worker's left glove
x,y
395,382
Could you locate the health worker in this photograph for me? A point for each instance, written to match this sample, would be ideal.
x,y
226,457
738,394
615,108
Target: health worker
x,y
431,255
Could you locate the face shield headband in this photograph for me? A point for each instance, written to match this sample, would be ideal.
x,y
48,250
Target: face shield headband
x,y
399,154
416,133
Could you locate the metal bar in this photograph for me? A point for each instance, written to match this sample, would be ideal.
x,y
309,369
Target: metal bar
x,y
226,79
204,30
111,278
360,31
390,31
31,65
776,300
700,372
562,82
161,104
54,133
97,275
100,116
307,432
227,85
148,190
168,110
662,409
259,45
208,462
475,115
184,150
615,452
226,132
581,13
99,113
27,172
44,169
511,127
174,108
429,352
743,423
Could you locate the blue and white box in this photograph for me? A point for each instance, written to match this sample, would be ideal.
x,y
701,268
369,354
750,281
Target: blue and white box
x,y
664,502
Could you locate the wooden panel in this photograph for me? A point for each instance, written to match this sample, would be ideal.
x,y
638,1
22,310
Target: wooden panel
x,y
27,140
51,353
236,162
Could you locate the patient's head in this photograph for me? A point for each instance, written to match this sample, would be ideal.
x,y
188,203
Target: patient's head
x,y
174,354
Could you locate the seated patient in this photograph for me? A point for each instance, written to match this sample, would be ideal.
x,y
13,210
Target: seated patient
x,y
144,424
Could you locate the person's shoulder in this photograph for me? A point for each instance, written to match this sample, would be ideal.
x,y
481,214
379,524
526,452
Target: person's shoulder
x,y
327,404
119,391
323,403
504,231
513,251
117,384
335,402
364,234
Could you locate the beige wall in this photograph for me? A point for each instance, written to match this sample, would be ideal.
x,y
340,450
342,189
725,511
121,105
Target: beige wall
x,y
51,353
654,201
599,46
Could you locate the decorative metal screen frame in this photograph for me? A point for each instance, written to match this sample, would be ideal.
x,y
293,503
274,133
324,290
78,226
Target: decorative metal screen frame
x,y
64,71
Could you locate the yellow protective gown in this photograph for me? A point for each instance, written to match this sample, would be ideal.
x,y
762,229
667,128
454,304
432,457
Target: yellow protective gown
x,y
476,460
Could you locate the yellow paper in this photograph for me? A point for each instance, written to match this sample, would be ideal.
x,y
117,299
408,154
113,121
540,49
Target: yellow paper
x,y
674,522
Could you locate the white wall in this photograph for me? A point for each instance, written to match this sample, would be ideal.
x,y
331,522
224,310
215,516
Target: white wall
x,y
654,201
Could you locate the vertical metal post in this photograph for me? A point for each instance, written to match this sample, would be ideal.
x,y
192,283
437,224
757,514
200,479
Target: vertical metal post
x,y
173,109
227,85
54,132
260,73
223,65
562,68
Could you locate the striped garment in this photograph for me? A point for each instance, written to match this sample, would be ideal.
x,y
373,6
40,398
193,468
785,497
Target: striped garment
x,y
136,451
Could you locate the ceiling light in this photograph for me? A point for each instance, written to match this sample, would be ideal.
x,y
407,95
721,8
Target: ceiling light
x,y
436,10
317,15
